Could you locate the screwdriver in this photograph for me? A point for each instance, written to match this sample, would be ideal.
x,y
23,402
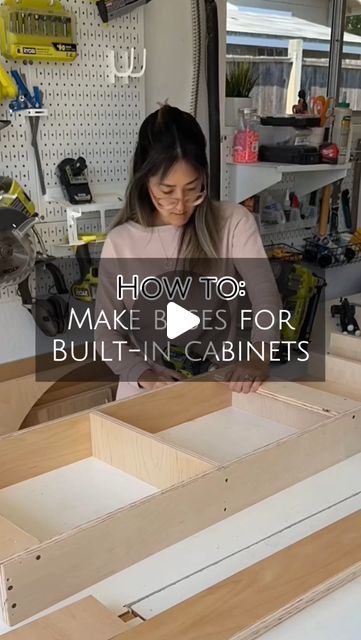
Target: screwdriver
x,y
54,21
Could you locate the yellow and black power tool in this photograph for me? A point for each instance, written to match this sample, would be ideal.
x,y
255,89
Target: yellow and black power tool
x,y
13,195
297,286
37,30
85,288
187,364
17,242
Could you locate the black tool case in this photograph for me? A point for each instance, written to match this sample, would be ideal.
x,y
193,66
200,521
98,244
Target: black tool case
x,y
289,154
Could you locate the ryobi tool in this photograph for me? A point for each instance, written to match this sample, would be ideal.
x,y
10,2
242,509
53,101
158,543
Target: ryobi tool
x,y
37,30
8,88
110,9
17,246
181,363
297,285
85,288
73,178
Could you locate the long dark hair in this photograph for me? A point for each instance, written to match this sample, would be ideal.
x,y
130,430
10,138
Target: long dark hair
x,y
165,137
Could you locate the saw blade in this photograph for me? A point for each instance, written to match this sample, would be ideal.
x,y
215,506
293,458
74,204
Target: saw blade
x,y
17,258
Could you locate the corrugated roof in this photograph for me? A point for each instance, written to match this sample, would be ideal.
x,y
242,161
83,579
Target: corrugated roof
x,y
286,26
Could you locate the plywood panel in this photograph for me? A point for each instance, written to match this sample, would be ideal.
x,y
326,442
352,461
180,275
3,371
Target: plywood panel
x,y
260,597
84,620
61,500
17,397
13,540
40,449
287,413
175,404
318,400
74,403
345,346
227,434
144,457
339,390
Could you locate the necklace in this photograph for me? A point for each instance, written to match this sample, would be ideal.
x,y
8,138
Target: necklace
x,y
169,260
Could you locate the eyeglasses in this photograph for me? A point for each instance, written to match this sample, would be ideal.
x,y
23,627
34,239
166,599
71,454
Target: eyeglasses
x,y
169,203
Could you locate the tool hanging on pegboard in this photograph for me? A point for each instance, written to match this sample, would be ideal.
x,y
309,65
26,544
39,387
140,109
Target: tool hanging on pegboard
x,y
37,30
72,173
32,103
111,9
85,288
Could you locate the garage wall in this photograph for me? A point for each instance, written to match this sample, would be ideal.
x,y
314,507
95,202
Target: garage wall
x,y
170,47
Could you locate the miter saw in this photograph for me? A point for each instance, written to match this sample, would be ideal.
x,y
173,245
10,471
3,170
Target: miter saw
x,y
17,241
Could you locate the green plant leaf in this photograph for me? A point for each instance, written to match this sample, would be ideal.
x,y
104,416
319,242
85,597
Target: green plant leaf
x,y
240,80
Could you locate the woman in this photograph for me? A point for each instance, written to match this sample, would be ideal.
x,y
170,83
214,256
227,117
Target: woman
x,y
168,215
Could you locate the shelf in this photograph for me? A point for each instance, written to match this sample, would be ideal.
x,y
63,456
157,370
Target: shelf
x,y
63,249
30,112
103,201
246,180
107,201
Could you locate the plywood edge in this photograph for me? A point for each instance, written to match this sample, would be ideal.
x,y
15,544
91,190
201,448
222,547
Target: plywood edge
x,y
86,619
97,418
306,600
81,417
261,596
14,540
319,401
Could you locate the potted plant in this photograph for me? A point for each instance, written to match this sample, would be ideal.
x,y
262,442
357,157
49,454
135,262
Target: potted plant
x,y
240,80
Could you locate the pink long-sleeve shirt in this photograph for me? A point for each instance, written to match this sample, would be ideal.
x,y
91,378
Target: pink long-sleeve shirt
x,y
239,240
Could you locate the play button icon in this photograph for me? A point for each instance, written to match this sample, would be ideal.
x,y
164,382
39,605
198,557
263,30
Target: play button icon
x,y
179,320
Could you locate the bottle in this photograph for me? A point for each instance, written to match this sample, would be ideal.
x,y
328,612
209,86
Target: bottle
x,y
341,134
246,139
287,206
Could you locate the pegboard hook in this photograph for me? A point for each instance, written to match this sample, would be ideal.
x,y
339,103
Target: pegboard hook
x,y
141,73
127,64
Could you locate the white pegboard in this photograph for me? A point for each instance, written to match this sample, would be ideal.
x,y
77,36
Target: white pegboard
x,y
87,115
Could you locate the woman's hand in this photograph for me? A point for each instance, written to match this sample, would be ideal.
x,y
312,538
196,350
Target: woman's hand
x,y
151,380
247,377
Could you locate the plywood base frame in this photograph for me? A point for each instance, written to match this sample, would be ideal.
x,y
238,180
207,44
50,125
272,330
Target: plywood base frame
x,y
35,578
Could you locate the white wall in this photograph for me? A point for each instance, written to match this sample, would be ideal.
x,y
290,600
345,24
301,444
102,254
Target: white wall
x,y
168,39
313,10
